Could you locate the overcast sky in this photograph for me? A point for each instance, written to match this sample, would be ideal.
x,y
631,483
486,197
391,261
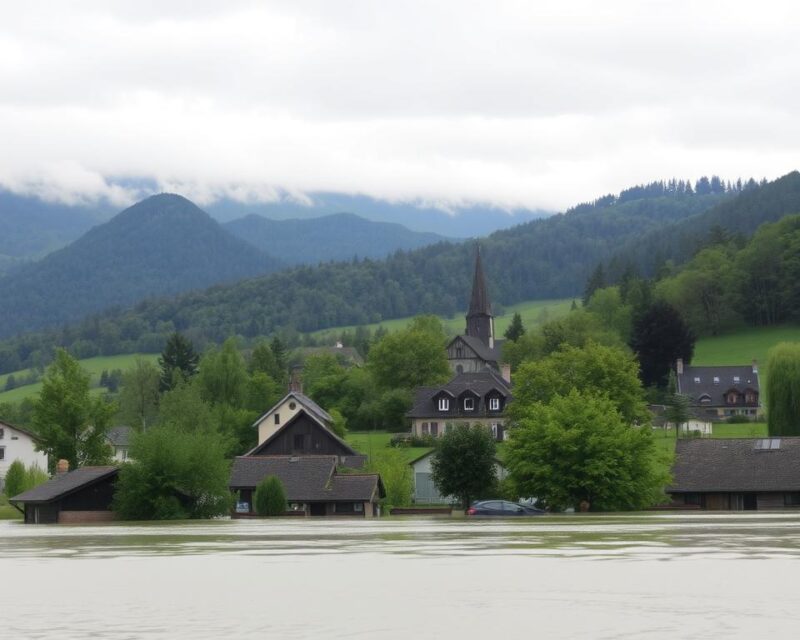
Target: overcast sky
x,y
518,104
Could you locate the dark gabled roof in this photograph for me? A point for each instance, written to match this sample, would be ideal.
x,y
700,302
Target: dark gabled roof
x,y
304,401
64,484
479,301
748,379
481,383
494,354
722,465
317,421
8,425
119,436
305,478
356,487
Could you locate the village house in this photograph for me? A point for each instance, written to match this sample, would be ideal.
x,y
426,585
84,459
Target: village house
x,y
720,392
468,399
425,491
18,444
70,497
740,474
296,443
313,485
697,424
119,439
481,389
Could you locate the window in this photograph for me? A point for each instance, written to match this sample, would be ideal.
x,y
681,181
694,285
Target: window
x,y
768,444
459,369
459,352
716,379
448,426
2,433
495,429
791,499
494,404
2,453
444,404
434,428
469,404
293,405
697,379
705,398
299,441
425,429
277,417
736,379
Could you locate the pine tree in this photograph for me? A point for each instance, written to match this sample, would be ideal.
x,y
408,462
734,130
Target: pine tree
x,y
178,359
596,281
515,330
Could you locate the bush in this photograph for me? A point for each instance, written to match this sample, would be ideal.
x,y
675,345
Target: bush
x,y
16,479
20,479
270,497
738,420
396,475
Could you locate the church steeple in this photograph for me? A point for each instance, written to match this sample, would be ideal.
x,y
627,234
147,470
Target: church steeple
x,y
480,322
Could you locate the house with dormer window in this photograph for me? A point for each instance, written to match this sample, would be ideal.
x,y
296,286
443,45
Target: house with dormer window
x,y
469,398
718,393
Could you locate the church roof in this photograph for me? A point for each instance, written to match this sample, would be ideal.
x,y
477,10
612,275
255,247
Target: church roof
x,y
479,302
484,352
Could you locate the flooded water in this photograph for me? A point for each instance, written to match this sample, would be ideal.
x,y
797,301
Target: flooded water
x,y
628,576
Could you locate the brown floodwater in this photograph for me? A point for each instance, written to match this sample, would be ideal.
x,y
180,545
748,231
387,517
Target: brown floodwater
x,y
581,576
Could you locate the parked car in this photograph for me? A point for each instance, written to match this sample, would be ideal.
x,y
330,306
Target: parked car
x,y
502,508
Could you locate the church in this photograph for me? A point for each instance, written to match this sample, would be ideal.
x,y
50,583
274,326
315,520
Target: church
x,y
481,388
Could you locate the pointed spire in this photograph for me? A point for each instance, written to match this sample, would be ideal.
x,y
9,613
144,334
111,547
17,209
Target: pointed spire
x,y
479,303
480,322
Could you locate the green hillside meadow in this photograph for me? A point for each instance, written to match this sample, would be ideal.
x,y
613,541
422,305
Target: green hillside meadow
x,y
94,366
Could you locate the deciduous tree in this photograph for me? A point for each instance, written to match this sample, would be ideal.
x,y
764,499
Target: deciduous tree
x,y
464,463
783,390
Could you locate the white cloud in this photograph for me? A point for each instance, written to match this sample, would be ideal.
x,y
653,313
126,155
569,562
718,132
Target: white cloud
x,y
509,103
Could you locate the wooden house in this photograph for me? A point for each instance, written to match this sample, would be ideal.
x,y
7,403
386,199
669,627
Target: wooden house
x,y
313,485
80,496
738,474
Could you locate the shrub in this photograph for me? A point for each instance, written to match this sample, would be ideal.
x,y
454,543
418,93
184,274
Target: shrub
x,y
270,497
16,479
411,440
738,420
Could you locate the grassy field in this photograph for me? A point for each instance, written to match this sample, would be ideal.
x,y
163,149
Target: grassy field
x,y
7,512
371,442
743,346
94,366
532,313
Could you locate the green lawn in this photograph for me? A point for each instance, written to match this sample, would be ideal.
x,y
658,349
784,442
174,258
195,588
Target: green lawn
x,y
721,430
533,312
743,346
7,512
94,366
370,442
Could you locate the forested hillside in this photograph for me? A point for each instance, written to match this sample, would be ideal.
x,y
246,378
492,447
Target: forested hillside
x,y
162,245
541,259
740,216
339,236
30,228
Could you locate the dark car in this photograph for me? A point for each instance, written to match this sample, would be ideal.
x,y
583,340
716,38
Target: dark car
x,y
502,508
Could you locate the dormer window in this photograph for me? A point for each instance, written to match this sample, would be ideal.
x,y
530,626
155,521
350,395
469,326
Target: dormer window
x,y
469,404
705,398
697,379
494,404
736,379
716,379
444,404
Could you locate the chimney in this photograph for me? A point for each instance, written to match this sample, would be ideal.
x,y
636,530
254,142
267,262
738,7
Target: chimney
x,y
62,466
679,366
296,380
755,365
505,372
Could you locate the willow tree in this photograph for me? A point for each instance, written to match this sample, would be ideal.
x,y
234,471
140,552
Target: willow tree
x,y
783,390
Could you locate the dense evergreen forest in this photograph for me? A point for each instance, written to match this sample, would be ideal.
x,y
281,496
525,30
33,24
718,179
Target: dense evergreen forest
x,y
540,259
162,245
339,236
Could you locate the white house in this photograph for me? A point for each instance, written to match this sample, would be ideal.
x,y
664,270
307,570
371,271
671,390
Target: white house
x,y
118,439
18,444
425,492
